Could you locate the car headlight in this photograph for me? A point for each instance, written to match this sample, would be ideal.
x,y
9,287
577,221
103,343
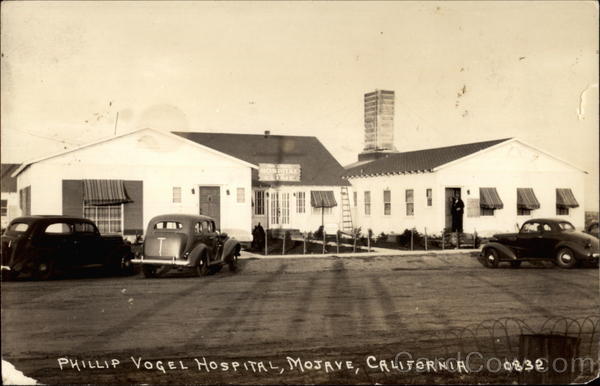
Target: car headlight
x,y
588,244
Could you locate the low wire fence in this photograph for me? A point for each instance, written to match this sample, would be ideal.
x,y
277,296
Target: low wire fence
x,y
566,349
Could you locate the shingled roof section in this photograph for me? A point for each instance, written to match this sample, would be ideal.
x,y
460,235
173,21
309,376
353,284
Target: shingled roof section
x,y
318,167
7,183
419,160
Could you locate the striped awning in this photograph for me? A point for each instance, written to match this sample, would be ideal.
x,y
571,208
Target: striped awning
x,y
565,199
322,199
526,199
489,199
104,192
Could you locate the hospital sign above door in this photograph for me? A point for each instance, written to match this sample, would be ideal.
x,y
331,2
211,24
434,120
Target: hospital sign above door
x,y
279,172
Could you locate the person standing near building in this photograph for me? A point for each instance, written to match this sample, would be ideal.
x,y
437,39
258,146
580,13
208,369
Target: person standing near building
x,y
457,210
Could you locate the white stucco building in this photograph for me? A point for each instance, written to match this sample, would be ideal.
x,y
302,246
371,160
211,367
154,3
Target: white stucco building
x,y
502,183
282,182
122,182
298,184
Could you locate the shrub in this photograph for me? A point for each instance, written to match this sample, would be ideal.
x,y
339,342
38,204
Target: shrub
x,y
318,235
381,238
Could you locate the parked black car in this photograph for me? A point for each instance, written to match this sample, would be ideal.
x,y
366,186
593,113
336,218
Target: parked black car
x,y
549,239
44,245
186,242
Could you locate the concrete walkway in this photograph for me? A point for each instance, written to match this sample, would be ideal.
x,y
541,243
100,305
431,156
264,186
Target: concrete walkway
x,y
374,252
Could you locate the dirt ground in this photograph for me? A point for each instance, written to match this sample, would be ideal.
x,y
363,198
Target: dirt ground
x,y
279,313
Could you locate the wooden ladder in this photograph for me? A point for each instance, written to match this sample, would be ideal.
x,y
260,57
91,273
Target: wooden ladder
x,y
346,214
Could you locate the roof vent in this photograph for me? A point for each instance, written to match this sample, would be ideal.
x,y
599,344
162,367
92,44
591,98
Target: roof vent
x,y
267,133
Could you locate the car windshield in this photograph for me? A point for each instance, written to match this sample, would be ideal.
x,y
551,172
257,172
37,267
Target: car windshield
x,y
566,226
17,227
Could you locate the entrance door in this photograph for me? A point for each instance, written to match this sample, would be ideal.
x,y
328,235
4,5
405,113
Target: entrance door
x,y
285,208
448,205
210,203
275,208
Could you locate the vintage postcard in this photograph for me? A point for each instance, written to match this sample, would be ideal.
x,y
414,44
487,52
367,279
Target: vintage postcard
x,y
299,192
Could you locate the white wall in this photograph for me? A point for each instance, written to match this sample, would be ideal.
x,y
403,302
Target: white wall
x,y
309,221
506,168
161,162
12,209
424,216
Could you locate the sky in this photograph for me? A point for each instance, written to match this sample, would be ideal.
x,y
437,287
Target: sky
x,y
461,71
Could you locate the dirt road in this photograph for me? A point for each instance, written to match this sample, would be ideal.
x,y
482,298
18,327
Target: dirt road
x,y
272,312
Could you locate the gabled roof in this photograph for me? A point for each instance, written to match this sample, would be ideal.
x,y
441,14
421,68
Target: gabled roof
x,y
8,184
318,166
420,160
26,164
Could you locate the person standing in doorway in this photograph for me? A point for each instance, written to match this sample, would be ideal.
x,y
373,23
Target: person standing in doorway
x,y
457,210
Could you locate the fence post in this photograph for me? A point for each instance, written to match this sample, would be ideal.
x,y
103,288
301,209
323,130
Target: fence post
x,y
425,238
369,233
354,245
283,246
337,239
475,241
267,242
324,240
304,241
411,239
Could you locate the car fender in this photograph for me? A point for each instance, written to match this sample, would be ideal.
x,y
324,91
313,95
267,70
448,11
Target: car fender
x,y
578,250
504,252
230,248
196,254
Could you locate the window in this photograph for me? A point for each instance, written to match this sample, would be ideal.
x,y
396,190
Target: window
x,y
355,197
241,195
204,227
84,227
429,195
25,200
387,202
164,225
107,217
535,227
326,210
285,208
565,199
18,227
300,202
3,207
489,200
410,203
566,226
259,202
176,194
58,228
367,203
526,201
486,212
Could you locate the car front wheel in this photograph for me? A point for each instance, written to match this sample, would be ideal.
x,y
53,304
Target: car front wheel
x,y
233,263
565,258
44,270
491,258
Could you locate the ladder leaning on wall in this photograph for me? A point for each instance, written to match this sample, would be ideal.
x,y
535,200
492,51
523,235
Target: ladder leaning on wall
x,y
346,214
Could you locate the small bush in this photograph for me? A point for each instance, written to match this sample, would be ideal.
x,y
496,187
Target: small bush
x,y
381,238
318,235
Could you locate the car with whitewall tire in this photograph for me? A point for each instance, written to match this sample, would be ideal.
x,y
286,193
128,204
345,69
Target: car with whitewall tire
x,y
541,239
